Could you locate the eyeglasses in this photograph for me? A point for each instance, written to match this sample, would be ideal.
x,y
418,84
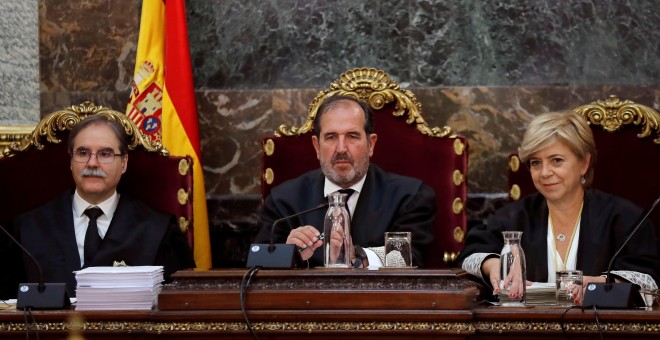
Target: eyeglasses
x,y
104,156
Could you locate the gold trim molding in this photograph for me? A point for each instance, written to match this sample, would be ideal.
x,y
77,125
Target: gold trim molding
x,y
10,134
137,327
378,89
612,113
54,123
466,328
573,327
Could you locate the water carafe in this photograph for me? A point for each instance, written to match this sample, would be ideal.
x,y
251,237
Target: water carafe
x,y
337,230
513,272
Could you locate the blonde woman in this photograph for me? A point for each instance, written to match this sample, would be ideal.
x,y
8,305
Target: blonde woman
x,y
566,225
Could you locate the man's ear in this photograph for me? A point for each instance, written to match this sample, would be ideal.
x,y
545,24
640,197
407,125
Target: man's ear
x,y
372,143
315,142
125,164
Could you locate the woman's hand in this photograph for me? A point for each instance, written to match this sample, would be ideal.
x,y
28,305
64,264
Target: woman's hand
x,y
514,280
491,268
578,291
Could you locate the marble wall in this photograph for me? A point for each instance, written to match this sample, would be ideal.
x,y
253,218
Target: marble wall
x,y
293,44
485,68
19,62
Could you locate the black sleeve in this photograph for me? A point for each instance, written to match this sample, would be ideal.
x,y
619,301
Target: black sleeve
x,y
483,238
418,217
11,262
267,214
174,252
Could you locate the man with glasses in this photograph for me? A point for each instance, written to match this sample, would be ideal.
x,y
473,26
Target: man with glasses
x,y
93,224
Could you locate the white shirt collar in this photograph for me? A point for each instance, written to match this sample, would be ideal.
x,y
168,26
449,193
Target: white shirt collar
x,y
330,187
108,206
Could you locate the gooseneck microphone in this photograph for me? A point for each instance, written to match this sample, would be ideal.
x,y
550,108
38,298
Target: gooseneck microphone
x,y
40,295
271,255
611,294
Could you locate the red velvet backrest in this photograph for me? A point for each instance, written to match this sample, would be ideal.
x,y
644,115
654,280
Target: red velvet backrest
x,y
441,162
32,177
627,166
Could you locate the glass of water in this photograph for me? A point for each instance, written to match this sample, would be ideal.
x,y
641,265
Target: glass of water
x,y
567,282
398,251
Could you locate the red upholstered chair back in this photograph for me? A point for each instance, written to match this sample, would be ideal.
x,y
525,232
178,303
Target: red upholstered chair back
x,y
36,169
627,139
406,145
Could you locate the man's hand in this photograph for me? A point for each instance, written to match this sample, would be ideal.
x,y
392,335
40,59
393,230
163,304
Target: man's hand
x,y
305,236
359,259
336,242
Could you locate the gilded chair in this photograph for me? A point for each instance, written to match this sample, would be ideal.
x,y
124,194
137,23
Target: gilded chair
x,y
35,168
406,145
627,138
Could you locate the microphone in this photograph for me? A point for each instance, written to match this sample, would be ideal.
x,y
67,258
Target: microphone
x,y
280,256
39,295
611,294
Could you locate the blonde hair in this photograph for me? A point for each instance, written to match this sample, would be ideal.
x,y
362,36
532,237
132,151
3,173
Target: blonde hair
x,y
567,127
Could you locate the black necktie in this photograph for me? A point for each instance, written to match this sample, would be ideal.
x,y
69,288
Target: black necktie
x,y
348,193
92,237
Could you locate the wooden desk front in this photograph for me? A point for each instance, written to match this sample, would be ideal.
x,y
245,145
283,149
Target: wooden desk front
x,y
326,304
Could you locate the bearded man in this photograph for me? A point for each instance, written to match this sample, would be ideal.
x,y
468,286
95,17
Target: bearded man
x,y
379,202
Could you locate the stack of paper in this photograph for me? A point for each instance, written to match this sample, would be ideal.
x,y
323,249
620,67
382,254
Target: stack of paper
x,y
541,293
118,288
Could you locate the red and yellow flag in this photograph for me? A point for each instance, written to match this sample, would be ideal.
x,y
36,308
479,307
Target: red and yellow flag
x,y
163,100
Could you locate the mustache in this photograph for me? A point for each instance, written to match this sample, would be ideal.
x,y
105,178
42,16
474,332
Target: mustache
x,y
341,157
93,172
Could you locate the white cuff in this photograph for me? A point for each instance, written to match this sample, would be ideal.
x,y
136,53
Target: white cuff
x,y
374,260
472,264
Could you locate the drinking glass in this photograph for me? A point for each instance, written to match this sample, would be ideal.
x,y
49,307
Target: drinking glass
x,y
397,249
567,280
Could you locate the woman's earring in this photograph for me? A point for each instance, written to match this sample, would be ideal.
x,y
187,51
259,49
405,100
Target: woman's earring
x,y
582,179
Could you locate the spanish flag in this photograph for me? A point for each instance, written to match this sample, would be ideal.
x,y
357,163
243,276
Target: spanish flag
x,y
163,100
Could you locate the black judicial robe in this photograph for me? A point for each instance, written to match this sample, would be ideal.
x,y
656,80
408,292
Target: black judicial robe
x,y
606,222
137,235
387,202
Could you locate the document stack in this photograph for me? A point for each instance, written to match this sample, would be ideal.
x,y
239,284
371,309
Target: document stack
x,y
541,293
118,288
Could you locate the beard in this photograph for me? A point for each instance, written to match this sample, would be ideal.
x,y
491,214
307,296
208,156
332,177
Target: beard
x,y
348,178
